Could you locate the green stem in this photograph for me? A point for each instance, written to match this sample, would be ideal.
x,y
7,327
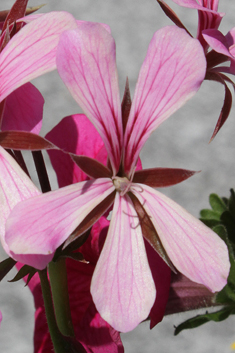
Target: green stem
x,y
59,288
56,336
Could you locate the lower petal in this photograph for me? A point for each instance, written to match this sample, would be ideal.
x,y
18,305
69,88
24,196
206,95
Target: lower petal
x,y
122,285
194,249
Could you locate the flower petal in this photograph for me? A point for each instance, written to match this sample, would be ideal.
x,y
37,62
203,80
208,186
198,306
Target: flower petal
x,y
193,4
74,134
15,186
90,329
41,224
86,63
217,41
122,285
31,52
194,249
24,110
158,95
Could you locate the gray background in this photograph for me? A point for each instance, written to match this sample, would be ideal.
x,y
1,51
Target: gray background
x,y
182,141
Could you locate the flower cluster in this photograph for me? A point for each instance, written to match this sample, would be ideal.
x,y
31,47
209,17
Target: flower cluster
x,y
118,271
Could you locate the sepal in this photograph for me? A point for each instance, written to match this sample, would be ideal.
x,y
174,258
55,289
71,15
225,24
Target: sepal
x,y
5,266
24,271
172,15
22,140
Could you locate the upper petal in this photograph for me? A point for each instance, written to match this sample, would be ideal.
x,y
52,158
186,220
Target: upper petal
x,y
15,186
86,63
122,285
208,5
41,224
23,110
31,52
172,72
74,134
194,249
217,41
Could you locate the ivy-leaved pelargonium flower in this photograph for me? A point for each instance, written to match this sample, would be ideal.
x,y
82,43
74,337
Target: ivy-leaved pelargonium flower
x,y
122,286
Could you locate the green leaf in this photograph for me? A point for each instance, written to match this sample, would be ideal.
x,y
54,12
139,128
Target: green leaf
x,y
210,214
217,204
211,223
202,319
6,266
232,203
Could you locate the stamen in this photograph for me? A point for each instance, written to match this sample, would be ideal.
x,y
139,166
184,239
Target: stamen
x,y
122,185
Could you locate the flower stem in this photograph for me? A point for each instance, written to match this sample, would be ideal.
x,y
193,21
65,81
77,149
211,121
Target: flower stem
x,y
41,171
56,336
59,288
61,343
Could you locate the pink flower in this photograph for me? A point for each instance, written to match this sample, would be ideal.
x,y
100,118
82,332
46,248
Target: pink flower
x,y
74,135
208,16
122,285
222,47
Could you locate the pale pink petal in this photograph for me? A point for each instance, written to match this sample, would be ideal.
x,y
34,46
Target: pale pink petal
x,y
15,186
86,63
194,249
107,27
31,52
23,110
38,226
30,18
211,6
122,286
230,37
172,72
217,41
96,335
74,134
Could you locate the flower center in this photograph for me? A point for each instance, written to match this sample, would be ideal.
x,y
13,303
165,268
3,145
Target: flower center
x,y
122,185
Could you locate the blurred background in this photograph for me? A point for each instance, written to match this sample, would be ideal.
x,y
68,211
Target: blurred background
x,y
180,142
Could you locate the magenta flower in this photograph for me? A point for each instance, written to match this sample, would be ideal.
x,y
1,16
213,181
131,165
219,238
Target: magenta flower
x,y
122,286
